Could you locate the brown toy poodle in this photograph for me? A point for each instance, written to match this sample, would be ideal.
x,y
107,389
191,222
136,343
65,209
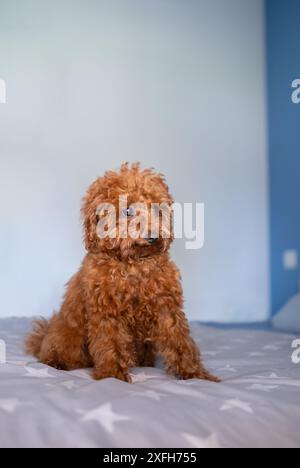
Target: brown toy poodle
x,y
124,306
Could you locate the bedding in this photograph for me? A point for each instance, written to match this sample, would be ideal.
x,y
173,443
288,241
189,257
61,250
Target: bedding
x,y
256,405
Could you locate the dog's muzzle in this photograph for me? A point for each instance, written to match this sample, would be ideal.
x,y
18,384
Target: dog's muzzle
x,y
152,240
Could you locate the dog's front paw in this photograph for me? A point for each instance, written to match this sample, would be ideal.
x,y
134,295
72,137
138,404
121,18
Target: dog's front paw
x,y
99,374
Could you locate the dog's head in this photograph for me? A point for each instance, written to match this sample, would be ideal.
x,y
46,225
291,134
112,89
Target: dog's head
x,y
128,213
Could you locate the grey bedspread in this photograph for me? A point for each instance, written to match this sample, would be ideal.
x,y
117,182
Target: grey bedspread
x,y
257,405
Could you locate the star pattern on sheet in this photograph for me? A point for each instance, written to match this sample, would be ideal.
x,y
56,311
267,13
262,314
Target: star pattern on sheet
x,y
9,405
69,384
263,388
258,377
270,348
152,394
271,376
105,416
142,377
227,368
38,373
199,442
237,404
280,381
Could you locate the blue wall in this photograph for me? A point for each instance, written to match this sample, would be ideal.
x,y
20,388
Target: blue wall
x,y
283,41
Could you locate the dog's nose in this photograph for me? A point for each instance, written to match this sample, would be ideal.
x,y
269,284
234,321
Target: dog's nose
x,y
152,240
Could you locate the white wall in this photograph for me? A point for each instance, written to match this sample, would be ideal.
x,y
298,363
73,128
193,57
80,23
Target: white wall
x,y
176,84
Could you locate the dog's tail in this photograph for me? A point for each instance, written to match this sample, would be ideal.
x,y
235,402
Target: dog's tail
x,y
33,341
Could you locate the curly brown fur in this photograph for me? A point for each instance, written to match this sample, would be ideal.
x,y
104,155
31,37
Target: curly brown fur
x,y
124,306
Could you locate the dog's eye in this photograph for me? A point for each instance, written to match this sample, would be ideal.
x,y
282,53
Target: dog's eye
x,y
128,212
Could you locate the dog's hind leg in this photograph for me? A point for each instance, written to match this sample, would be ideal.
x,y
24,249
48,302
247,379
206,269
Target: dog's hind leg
x,y
64,347
64,339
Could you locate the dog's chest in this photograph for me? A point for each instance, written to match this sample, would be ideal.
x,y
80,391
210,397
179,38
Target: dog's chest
x,y
137,281
136,285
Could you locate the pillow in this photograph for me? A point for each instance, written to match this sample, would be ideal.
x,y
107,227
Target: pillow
x,y
288,319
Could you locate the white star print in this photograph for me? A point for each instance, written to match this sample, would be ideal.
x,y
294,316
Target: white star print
x,y
105,416
198,442
263,388
276,380
39,373
270,348
9,405
142,377
255,379
237,404
69,384
148,394
275,376
271,376
228,368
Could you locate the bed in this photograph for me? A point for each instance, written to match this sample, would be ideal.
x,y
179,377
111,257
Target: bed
x,y
257,405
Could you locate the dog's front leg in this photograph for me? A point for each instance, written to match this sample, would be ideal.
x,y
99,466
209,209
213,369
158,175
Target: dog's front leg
x,y
174,342
111,349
